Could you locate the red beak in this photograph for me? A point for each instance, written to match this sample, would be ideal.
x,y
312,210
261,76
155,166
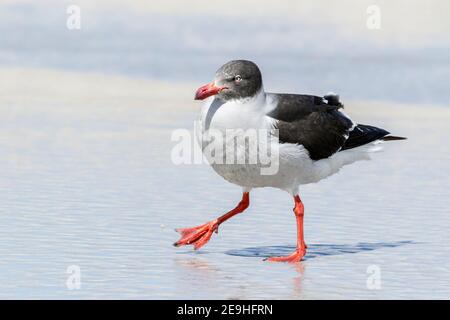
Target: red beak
x,y
207,90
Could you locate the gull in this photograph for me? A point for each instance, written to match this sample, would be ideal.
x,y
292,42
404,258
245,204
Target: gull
x,y
311,136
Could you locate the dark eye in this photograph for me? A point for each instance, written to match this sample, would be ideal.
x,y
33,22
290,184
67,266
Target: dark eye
x,y
237,78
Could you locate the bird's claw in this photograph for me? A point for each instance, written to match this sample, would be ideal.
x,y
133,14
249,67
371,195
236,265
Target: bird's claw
x,y
197,236
294,257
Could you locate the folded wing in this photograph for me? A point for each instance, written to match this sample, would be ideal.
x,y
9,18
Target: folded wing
x,y
314,122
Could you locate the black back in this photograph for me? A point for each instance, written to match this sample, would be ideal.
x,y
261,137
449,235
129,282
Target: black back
x,y
312,122
318,125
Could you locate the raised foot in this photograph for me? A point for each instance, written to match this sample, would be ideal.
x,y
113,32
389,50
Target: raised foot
x,y
296,256
197,236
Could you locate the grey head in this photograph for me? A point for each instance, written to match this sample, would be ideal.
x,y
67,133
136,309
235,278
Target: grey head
x,y
241,78
237,79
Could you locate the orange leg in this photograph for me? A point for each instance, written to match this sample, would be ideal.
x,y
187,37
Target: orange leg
x,y
298,254
200,235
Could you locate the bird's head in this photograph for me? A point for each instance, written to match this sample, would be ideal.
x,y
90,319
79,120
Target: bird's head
x,y
236,79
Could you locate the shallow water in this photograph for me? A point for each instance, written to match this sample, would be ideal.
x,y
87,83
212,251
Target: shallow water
x,y
86,177
100,192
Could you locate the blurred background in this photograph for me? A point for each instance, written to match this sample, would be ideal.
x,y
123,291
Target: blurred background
x,y
87,182
302,46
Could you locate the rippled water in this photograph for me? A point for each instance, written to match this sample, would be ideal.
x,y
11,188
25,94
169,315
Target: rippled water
x,y
86,177
99,191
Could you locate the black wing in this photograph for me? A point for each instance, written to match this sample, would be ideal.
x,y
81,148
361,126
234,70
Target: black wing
x,y
313,122
363,134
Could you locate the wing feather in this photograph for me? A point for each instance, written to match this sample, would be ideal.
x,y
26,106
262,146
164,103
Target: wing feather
x,y
312,122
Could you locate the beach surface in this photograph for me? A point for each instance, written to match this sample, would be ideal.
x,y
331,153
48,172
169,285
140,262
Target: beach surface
x,y
86,180
89,194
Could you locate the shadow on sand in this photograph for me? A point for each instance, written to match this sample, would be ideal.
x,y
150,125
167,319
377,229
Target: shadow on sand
x,y
316,250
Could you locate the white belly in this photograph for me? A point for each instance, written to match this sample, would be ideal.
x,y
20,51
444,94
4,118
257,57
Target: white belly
x,y
233,160
234,157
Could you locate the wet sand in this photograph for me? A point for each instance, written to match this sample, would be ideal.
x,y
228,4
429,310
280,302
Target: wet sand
x,y
86,179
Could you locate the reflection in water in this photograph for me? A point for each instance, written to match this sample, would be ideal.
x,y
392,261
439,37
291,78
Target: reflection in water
x,y
197,265
204,276
316,250
197,274
297,280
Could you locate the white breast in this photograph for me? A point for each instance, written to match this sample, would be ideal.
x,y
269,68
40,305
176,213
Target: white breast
x,y
248,116
294,164
243,114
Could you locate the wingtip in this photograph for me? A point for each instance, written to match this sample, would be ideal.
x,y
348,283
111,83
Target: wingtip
x,y
392,138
